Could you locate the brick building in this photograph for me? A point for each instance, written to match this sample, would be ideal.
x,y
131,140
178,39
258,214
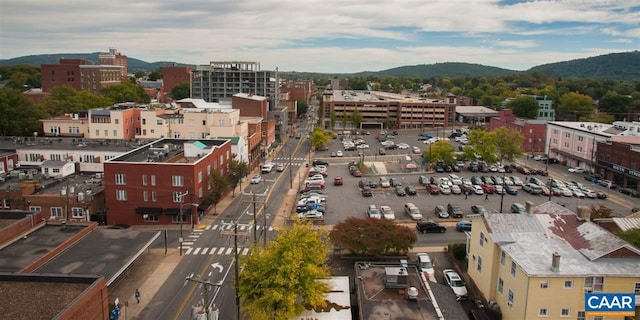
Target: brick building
x,y
618,160
173,76
155,183
533,131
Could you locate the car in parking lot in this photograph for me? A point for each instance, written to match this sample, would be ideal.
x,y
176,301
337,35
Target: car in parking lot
x,y
478,190
463,225
410,190
576,170
441,212
532,188
425,264
430,226
444,189
338,181
478,209
454,281
400,191
423,180
518,208
488,188
366,191
433,189
454,211
395,182
382,152
384,182
387,213
412,211
510,190
416,150
339,153
373,212
455,189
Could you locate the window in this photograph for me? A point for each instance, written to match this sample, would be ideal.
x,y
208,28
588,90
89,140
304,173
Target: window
x,y
145,195
77,213
97,133
176,218
544,284
543,312
636,289
221,123
153,179
176,134
144,179
159,122
177,196
154,196
177,181
200,176
106,133
115,133
593,284
117,121
192,122
567,134
580,138
581,316
479,266
121,179
565,312
200,192
35,209
56,212
568,284
510,297
503,257
150,217
513,269
7,203
121,195
481,239
500,285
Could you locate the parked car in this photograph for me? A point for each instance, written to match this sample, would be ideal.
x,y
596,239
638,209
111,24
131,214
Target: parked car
x,y
463,225
384,182
454,211
478,209
373,212
410,190
441,212
387,213
511,190
395,182
400,191
412,211
576,170
430,226
478,190
425,265
366,191
433,189
454,281
607,184
423,181
518,208
339,153
338,181
532,188
382,151
318,162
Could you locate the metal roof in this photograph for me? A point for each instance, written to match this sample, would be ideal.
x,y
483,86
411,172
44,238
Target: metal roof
x,y
627,223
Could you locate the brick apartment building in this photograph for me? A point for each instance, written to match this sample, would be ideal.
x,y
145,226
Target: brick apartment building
x,y
173,76
152,184
533,131
77,73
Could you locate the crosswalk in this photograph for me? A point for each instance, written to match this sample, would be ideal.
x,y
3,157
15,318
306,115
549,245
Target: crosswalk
x,y
191,238
285,160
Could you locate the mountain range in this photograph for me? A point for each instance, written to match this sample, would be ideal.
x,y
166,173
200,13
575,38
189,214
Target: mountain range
x,y
624,66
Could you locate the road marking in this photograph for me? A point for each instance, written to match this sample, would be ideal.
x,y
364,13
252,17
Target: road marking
x,y
245,251
229,251
214,227
188,251
204,250
213,250
196,250
221,250
187,243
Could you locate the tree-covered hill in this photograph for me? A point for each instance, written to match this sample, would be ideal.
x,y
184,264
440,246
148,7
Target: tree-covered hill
x,y
623,66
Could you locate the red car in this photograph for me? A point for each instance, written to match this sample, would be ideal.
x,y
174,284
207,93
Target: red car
x,y
488,188
357,173
337,181
433,189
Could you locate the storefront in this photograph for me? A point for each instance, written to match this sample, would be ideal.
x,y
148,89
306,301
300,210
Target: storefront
x,y
620,163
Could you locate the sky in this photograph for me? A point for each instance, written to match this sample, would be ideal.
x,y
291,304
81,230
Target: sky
x,y
329,36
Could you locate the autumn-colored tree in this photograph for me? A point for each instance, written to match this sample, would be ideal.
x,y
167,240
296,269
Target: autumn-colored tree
x,y
574,105
372,237
494,146
277,281
600,211
319,137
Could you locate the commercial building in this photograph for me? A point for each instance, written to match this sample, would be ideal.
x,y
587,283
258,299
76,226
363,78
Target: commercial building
x,y
77,73
220,80
533,131
69,125
386,110
541,263
618,160
164,181
173,76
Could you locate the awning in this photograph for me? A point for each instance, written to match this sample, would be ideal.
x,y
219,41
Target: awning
x,y
176,211
148,210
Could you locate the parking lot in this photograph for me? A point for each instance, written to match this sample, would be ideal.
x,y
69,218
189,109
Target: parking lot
x,y
346,200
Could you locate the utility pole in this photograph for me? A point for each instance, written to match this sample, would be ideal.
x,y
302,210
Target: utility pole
x,y
205,291
290,170
255,215
235,235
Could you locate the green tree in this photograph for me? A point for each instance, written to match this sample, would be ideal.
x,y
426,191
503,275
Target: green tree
x,y
139,74
65,99
439,151
602,117
499,145
154,75
125,92
615,104
319,137
372,237
277,281
632,236
219,185
302,106
21,76
356,118
344,120
575,105
524,106
181,91
332,119
238,170
18,115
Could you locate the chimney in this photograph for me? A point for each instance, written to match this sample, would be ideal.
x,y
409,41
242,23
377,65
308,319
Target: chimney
x,y
555,262
529,206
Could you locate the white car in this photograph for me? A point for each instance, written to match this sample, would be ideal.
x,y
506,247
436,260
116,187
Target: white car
x,y
412,211
339,153
416,150
384,182
455,179
444,189
477,189
455,189
387,213
454,281
517,181
388,143
256,179
280,168
403,146
426,266
576,170
445,180
362,146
